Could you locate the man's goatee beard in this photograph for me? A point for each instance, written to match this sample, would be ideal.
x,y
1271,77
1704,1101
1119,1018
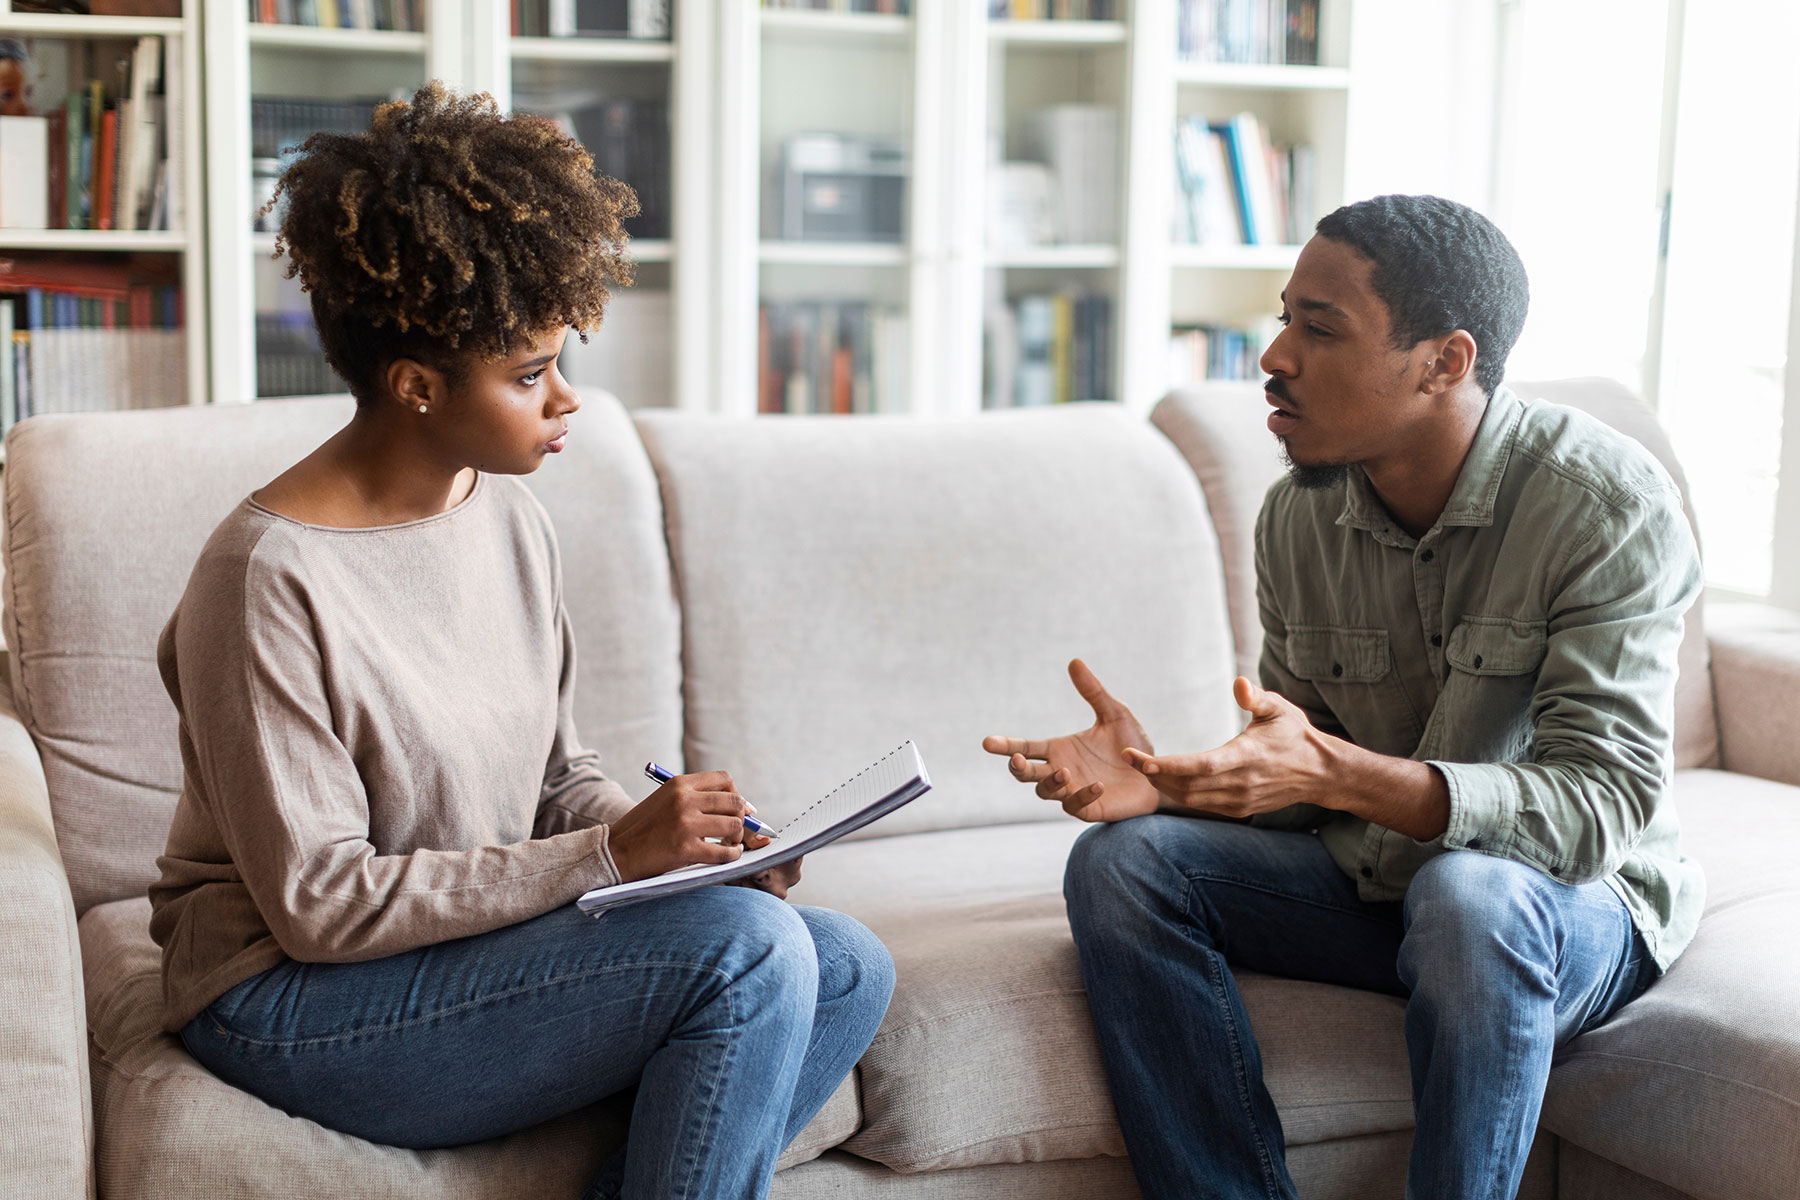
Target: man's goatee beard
x,y
1312,479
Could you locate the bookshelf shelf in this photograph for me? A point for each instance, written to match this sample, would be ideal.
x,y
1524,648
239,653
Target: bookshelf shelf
x,y
1058,33
71,25
791,23
93,239
832,254
1261,77
357,41
1233,258
1055,257
591,50
652,250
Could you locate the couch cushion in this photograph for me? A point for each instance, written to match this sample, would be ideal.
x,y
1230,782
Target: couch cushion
x,y
987,1054
105,516
848,584
166,1126
1220,428
1696,1084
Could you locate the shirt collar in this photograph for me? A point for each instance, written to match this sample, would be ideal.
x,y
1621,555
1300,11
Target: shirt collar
x,y
1471,500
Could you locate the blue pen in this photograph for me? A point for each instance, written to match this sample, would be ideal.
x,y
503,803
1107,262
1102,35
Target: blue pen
x,y
663,776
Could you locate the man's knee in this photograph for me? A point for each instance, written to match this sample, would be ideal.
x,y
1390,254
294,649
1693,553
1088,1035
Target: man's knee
x,y
1464,909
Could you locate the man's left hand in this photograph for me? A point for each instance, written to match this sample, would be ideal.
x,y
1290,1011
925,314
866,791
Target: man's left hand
x,y
1278,760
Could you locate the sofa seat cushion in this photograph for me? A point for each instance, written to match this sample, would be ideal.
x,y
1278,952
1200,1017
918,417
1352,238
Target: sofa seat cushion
x,y
166,1126
1696,1084
987,1054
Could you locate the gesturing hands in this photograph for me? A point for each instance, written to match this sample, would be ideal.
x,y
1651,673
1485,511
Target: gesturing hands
x,y
670,827
1279,759
1086,772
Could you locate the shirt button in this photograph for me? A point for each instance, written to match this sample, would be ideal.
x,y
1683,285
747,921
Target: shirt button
x,y
1478,662
1475,843
1368,872
1426,556
1437,639
1337,669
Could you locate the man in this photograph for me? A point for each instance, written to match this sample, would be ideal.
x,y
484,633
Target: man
x,y
1453,783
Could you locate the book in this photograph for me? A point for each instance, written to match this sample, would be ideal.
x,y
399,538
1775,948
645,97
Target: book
x,y
24,166
895,779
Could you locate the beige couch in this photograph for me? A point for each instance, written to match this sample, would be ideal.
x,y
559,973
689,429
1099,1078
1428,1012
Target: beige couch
x,y
787,599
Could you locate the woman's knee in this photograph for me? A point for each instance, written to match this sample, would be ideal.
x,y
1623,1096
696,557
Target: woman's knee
x,y
852,960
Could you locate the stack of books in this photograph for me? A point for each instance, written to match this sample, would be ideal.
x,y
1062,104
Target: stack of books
x,y
1079,143
893,7
288,359
340,14
643,19
1234,187
1249,31
1049,349
823,356
1199,352
87,337
97,152
629,139
1050,10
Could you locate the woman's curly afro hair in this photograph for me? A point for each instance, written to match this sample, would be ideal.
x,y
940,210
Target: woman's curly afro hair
x,y
448,232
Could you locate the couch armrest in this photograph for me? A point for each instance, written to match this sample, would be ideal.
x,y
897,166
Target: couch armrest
x,y
1756,677
46,1104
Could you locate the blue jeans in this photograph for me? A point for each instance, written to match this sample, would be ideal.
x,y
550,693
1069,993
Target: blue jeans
x,y
1500,964
735,1015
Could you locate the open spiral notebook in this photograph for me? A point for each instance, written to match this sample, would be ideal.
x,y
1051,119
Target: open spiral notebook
x,y
897,777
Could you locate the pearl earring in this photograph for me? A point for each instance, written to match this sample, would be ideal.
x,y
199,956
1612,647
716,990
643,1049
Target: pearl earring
x,y
421,408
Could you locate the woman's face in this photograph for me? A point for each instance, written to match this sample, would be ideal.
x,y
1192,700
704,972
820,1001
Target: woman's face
x,y
506,415
15,92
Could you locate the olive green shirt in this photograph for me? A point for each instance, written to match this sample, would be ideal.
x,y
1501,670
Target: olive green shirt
x,y
1524,647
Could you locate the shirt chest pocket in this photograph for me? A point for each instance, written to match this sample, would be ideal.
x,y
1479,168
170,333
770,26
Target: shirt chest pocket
x,y
1487,699
1496,646
1334,654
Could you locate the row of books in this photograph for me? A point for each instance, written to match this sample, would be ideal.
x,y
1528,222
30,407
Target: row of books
x,y
1217,352
97,154
643,19
86,351
893,7
1049,349
1233,186
406,15
1248,31
288,359
821,356
629,138
1050,10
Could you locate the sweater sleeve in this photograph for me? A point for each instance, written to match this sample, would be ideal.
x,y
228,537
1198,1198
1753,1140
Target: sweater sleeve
x,y
577,794
293,812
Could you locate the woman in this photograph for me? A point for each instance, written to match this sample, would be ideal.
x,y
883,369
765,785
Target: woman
x,y
365,907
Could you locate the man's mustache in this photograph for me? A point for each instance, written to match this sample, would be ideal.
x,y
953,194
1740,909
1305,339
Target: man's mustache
x,y
1277,388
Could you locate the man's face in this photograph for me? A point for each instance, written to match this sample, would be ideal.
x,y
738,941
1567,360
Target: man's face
x,y
1341,393
15,93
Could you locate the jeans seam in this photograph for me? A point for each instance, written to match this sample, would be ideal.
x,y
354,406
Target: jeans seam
x,y
439,1014
1212,960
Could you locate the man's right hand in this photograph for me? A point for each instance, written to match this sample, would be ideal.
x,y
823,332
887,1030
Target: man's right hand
x,y
669,827
1086,772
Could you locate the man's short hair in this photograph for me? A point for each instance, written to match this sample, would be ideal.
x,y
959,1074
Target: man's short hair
x,y
1439,266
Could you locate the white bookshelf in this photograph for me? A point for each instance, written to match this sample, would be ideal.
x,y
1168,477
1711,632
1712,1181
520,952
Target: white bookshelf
x,y
739,80
187,242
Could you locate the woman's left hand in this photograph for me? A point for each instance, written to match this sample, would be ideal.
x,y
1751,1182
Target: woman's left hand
x,y
776,880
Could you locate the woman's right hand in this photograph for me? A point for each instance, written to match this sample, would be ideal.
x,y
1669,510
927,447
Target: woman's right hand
x,y
669,827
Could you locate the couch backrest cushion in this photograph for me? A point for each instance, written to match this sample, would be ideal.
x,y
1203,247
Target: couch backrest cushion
x,y
105,514
1220,428
847,584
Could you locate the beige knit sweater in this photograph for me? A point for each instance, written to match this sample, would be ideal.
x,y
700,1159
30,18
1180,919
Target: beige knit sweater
x,y
378,740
